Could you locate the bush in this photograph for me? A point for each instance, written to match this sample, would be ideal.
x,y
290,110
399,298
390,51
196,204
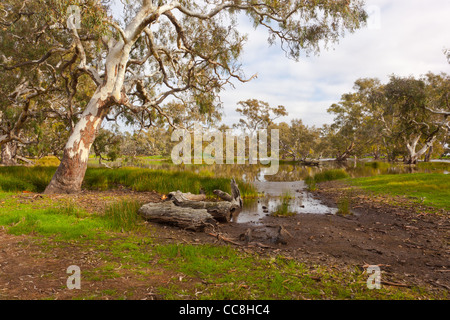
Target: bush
x,y
49,161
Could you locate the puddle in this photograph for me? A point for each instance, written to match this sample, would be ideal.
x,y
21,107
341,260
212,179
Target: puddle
x,y
301,203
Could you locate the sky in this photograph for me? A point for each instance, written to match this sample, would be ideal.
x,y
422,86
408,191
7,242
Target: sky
x,y
402,37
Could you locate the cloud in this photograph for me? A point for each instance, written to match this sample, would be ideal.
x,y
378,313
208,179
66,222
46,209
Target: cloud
x,y
408,40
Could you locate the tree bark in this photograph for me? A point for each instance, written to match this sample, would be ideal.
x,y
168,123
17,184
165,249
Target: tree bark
x,y
70,173
170,213
346,154
428,154
413,156
194,215
222,211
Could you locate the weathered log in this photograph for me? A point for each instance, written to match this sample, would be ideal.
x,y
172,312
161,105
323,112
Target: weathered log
x,y
189,211
223,195
221,211
169,213
180,196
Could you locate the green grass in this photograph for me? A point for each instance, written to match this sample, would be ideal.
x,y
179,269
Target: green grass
x,y
123,215
64,220
328,175
429,189
344,205
35,179
227,273
60,220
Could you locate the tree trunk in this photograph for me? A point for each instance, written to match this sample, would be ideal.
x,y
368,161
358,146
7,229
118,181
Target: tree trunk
x,y
428,154
191,212
70,173
8,153
346,154
414,156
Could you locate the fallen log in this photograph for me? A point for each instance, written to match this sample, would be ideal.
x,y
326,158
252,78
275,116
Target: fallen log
x,y
169,213
192,212
180,196
222,211
223,195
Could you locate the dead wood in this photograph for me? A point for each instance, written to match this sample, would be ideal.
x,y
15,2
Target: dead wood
x,y
169,213
192,212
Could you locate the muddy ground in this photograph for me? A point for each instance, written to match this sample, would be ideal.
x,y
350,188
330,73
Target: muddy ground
x,y
407,241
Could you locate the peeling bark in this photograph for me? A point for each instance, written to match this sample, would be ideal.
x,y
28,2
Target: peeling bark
x,y
70,173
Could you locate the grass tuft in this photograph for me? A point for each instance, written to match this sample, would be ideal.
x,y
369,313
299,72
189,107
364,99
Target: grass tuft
x,y
123,215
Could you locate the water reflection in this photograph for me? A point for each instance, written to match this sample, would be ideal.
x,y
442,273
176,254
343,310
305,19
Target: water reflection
x,y
301,203
297,172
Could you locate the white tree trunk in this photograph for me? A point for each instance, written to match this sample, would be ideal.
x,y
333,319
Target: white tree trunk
x,y
414,155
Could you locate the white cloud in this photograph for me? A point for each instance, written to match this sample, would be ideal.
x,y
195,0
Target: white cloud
x,y
409,41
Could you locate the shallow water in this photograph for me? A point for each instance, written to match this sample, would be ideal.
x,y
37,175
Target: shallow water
x,y
302,202
290,180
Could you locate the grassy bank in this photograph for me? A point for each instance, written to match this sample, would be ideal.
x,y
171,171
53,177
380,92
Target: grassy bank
x,y
429,189
35,179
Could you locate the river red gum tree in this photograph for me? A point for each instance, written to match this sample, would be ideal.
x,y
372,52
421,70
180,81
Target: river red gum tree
x,y
175,52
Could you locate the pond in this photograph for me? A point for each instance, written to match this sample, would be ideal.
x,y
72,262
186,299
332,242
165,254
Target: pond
x,y
290,180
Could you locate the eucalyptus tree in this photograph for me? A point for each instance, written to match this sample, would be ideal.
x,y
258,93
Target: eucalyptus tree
x,y
257,114
37,67
351,133
421,112
183,51
299,141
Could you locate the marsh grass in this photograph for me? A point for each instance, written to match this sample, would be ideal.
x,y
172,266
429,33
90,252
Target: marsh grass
x,y
36,179
123,215
163,181
344,204
329,175
283,209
